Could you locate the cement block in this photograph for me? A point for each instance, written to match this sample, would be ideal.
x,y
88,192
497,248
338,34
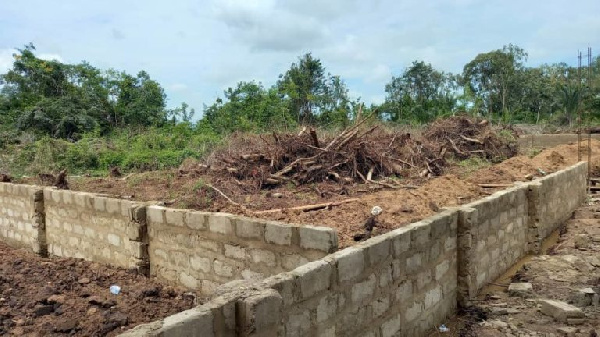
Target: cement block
x,y
279,234
313,278
378,249
197,322
292,261
196,220
364,290
222,269
327,308
263,256
319,238
220,223
249,229
401,240
156,214
391,327
188,281
561,311
262,312
175,217
202,264
350,263
235,252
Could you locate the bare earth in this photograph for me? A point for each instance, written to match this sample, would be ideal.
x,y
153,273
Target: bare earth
x,y
71,297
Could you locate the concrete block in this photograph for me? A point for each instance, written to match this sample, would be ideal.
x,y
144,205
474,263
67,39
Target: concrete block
x,y
520,289
433,297
249,229
364,290
156,214
175,217
319,238
413,263
196,220
262,312
235,252
292,261
114,240
391,327
222,269
561,311
380,306
413,311
99,204
248,274
220,223
298,325
404,291
420,235
441,269
313,278
113,206
188,281
196,322
378,249
200,263
350,263
263,256
280,234
327,308
401,240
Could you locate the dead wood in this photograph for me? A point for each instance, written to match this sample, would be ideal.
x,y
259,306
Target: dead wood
x,y
307,208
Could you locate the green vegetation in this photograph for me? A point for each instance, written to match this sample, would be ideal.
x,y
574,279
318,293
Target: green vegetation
x,y
55,115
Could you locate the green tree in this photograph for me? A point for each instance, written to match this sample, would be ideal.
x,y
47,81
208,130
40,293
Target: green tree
x,y
492,77
421,93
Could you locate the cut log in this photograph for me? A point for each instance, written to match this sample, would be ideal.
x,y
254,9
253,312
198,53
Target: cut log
x,y
472,140
307,208
495,185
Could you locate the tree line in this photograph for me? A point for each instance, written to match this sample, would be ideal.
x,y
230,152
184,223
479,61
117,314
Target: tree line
x,y
66,101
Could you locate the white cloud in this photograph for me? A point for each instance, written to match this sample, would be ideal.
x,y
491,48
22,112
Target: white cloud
x,y
177,87
50,57
6,59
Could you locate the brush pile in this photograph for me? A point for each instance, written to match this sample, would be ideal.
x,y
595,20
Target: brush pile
x,y
361,153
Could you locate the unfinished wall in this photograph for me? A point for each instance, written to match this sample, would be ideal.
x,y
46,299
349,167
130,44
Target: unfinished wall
x,y
492,236
22,216
553,199
202,250
539,141
95,228
398,284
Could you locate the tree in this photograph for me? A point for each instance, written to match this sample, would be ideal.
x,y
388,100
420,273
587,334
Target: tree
x,y
304,85
248,106
65,100
492,77
421,93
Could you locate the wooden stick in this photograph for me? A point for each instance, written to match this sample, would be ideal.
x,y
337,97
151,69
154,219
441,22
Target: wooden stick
x,y
495,185
472,140
224,196
307,208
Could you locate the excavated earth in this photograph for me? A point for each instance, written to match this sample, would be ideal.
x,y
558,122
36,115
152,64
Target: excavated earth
x,y
70,297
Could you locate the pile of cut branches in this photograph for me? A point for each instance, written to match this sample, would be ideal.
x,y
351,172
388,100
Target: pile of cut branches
x,y
361,153
466,137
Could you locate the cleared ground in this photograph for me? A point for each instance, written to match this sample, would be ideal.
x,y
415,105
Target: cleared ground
x,y
70,297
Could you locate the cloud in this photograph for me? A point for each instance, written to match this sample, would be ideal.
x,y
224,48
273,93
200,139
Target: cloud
x,y
264,27
177,87
6,59
50,57
117,34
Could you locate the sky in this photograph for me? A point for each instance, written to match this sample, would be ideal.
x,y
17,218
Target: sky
x,y
197,49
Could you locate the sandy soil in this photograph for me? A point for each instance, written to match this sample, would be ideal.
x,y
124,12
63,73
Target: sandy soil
x,y
71,297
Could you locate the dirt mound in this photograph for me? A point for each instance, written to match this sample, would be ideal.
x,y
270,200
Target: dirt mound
x,y
70,297
363,154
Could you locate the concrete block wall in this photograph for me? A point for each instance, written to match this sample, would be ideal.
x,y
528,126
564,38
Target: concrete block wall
x,y
492,236
22,216
202,250
96,228
401,283
553,199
